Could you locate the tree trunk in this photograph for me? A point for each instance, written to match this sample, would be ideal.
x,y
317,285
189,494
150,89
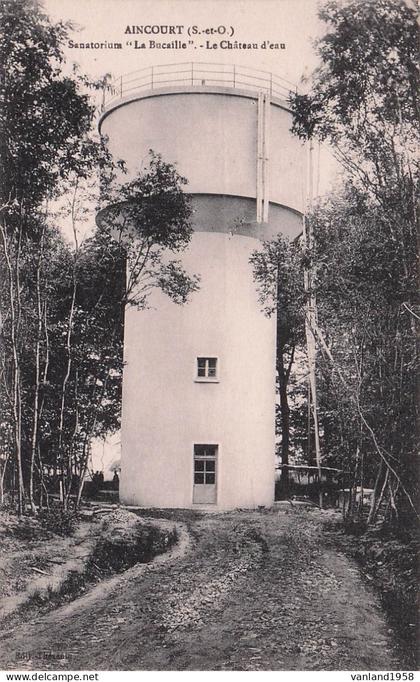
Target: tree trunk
x,y
37,373
2,477
83,469
311,313
285,422
64,464
16,396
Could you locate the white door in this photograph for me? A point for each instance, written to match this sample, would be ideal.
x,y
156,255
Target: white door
x,y
205,474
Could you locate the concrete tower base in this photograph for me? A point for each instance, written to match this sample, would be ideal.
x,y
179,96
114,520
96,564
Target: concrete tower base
x,y
168,409
198,418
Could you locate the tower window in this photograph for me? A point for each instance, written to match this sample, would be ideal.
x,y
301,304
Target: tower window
x,y
207,369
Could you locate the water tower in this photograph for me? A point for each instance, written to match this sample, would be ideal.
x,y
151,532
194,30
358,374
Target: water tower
x,y
198,415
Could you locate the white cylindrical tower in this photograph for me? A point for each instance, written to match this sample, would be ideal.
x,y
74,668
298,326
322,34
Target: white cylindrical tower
x,y
198,415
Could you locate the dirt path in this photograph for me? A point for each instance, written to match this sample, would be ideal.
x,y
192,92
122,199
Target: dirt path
x,y
20,574
252,591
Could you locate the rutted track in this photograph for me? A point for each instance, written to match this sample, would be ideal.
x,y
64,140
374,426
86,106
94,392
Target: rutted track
x,y
241,591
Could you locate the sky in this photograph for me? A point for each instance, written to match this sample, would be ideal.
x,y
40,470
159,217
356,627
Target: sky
x,y
293,22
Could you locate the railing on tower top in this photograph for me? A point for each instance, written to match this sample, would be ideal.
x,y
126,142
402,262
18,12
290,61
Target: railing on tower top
x,y
186,74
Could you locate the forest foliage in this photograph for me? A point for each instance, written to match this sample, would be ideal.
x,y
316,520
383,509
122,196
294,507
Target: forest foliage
x,y
364,259
61,306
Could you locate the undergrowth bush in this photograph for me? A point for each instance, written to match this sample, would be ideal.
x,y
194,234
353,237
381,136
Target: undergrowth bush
x,y
58,521
26,529
112,554
116,554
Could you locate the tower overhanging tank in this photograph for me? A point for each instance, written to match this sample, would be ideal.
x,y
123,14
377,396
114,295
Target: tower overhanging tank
x,y
198,415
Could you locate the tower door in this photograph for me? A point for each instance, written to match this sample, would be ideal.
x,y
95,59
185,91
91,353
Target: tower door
x,y
205,474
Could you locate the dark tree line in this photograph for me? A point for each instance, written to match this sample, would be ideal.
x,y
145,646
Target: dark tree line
x,y
364,260
61,303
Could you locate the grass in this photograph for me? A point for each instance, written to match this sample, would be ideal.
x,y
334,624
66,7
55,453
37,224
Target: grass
x,y
392,560
110,555
181,515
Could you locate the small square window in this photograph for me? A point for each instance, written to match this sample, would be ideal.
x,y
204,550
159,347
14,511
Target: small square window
x,y
207,368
